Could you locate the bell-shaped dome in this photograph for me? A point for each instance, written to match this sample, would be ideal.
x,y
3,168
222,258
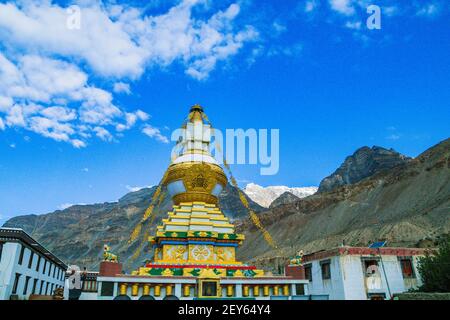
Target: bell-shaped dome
x,y
194,174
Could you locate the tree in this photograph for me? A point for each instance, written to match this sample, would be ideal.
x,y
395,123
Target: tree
x,y
434,269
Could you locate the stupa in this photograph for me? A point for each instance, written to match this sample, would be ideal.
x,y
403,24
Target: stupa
x,y
195,246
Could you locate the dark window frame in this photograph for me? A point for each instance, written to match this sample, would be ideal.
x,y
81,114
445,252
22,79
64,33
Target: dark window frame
x,y
209,288
45,267
25,287
308,274
16,283
300,289
38,264
1,250
412,275
107,289
22,253
323,266
35,281
41,287
30,260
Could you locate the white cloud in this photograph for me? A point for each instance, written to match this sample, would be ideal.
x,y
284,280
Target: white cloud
x,y
5,102
47,71
342,6
393,137
13,145
311,5
103,134
121,87
85,169
51,128
30,87
142,115
353,25
102,43
293,50
119,41
428,10
131,119
154,133
390,11
278,27
59,113
78,143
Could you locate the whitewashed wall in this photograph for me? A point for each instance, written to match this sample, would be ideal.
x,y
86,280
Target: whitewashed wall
x,y
9,266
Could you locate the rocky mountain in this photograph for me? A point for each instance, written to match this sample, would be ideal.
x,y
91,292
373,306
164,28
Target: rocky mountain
x,y
264,196
362,164
285,198
77,234
407,205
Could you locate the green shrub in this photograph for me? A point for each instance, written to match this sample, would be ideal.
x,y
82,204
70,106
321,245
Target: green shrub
x,y
434,269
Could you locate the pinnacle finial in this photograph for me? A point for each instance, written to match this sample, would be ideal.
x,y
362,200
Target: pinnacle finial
x,y
196,107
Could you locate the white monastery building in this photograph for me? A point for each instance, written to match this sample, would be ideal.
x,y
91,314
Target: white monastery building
x,y
358,273
26,267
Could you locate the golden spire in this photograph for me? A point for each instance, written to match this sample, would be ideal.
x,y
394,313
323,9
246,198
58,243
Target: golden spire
x,y
194,174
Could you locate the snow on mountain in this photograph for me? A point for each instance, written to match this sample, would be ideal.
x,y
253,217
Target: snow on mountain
x,y
265,195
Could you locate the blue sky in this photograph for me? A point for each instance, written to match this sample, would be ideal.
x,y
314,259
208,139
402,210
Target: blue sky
x,y
86,114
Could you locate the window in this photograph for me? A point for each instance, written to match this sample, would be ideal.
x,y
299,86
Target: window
x,y
41,287
209,288
46,288
299,289
38,264
25,288
326,270
54,271
30,262
51,289
45,266
1,250
22,251
34,286
49,268
107,289
16,283
407,268
308,272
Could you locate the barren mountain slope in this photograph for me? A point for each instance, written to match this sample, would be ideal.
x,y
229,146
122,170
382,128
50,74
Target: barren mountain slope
x,y
408,205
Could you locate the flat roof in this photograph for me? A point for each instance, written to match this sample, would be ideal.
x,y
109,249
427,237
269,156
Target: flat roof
x,y
347,250
19,235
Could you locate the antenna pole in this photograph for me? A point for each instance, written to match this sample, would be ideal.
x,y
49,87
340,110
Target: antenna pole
x,y
384,272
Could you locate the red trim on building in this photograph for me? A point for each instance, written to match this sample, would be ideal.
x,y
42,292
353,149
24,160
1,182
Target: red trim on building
x,y
391,251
